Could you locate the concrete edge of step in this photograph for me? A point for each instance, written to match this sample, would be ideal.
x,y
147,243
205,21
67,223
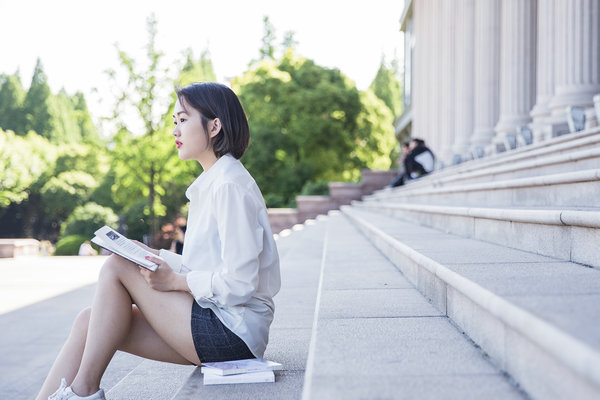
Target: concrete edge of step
x,y
560,217
577,356
584,176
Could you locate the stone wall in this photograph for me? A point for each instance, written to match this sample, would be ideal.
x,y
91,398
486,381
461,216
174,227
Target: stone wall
x,y
340,193
19,247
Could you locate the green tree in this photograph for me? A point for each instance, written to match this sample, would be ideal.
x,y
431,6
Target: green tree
x,y
62,193
289,40
200,70
267,51
71,120
20,168
36,104
27,163
87,218
303,121
142,153
12,96
387,87
65,127
375,144
87,129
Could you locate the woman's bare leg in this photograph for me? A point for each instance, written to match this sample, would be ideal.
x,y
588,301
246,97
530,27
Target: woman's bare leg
x,y
69,358
158,328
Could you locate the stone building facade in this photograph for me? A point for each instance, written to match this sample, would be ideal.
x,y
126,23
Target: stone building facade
x,y
486,76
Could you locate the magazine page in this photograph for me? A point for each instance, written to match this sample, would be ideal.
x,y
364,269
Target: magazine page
x,y
119,244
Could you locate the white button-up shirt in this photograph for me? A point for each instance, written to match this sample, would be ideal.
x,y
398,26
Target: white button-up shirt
x,y
229,254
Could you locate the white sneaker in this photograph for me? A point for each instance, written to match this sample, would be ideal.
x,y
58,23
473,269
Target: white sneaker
x,y
65,392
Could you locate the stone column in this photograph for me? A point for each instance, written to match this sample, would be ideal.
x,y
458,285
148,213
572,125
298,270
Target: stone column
x,y
487,74
427,69
545,70
419,73
464,90
577,55
447,66
437,77
517,70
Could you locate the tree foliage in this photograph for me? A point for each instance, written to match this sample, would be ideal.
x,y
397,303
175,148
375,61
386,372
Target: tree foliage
x,y
37,103
60,118
62,193
146,165
387,87
267,50
87,218
308,124
23,161
12,96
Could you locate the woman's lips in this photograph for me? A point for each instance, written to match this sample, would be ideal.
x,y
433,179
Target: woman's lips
x,y
178,143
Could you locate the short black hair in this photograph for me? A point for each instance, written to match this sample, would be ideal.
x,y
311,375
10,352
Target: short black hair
x,y
215,100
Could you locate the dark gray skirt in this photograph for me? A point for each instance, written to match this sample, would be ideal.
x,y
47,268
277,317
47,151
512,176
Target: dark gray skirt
x,y
213,340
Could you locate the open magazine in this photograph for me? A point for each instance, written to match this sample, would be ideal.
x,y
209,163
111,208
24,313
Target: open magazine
x,y
115,242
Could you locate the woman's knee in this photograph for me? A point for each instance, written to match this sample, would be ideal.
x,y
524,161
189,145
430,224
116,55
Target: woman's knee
x,y
114,266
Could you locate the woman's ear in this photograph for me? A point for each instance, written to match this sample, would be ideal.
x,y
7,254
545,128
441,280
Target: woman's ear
x,y
214,128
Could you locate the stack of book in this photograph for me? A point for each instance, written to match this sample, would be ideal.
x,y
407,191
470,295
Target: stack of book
x,y
253,370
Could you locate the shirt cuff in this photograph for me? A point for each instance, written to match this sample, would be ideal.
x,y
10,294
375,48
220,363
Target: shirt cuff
x,y
200,284
173,259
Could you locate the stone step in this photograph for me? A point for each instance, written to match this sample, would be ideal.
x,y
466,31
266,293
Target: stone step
x,y
562,145
151,380
534,316
565,234
300,256
377,337
569,189
580,160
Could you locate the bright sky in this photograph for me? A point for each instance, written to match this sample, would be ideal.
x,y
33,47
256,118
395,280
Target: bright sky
x,y
75,39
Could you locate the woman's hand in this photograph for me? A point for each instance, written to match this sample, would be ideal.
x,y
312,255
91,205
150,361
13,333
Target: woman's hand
x,y
143,246
164,279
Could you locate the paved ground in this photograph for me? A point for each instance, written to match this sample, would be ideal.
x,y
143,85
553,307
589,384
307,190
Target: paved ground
x,y
39,297
28,280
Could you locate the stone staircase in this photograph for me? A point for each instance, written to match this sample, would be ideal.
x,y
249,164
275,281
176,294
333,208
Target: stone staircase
x,y
507,248
478,281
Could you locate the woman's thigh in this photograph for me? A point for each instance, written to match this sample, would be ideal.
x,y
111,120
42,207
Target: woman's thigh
x,y
145,342
168,314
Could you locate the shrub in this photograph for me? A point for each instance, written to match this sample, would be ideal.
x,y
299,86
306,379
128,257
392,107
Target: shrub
x,y
86,219
315,188
63,193
69,245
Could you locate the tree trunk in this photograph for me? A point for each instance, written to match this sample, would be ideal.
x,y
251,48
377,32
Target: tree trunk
x,y
151,195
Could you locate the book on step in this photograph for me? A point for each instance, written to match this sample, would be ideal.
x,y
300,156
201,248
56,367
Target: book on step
x,y
117,243
234,367
247,377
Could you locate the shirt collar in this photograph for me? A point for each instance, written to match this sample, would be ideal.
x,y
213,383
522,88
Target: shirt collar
x,y
206,177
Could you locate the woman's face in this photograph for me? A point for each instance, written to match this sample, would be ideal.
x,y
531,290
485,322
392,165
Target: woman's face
x,y
190,136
